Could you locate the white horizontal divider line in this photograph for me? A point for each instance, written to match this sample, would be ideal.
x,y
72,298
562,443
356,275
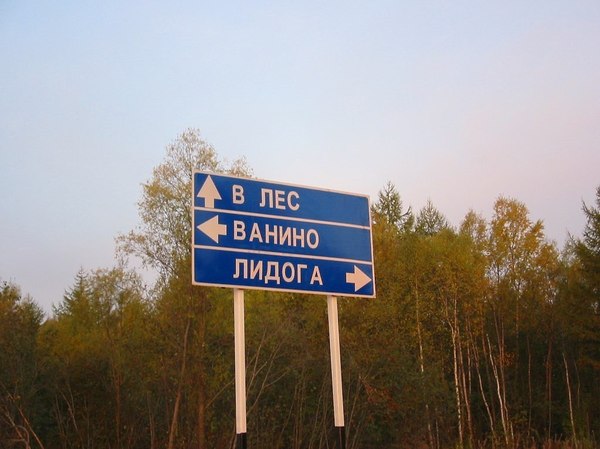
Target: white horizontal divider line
x,y
282,217
273,253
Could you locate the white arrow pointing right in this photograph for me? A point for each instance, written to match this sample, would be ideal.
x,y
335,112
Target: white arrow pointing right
x,y
213,228
358,278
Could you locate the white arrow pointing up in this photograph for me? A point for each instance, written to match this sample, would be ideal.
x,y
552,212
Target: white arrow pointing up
x,y
209,192
213,228
358,278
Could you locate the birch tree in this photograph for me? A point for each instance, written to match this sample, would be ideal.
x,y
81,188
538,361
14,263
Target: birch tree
x,y
162,243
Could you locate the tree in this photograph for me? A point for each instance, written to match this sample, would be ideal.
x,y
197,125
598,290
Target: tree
x,y
588,252
389,209
163,238
430,220
20,320
95,352
578,309
522,267
162,242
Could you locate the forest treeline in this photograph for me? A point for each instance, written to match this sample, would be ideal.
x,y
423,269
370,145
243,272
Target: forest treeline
x,y
482,335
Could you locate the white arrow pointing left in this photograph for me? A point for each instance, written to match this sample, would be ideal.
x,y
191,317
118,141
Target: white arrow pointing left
x,y
358,278
213,228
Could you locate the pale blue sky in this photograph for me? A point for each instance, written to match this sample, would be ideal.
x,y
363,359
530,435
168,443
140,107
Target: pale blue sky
x,y
459,102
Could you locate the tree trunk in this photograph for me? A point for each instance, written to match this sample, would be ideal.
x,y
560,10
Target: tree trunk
x,y
483,395
499,392
201,410
175,417
422,369
501,382
570,396
530,394
549,387
117,384
202,397
453,325
466,385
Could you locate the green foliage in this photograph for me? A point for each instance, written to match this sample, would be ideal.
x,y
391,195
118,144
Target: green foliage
x,y
163,238
390,210
94,354
184,327
480,336
430,220
20,320
588,252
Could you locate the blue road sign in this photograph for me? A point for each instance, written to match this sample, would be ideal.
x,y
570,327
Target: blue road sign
x,y
257,234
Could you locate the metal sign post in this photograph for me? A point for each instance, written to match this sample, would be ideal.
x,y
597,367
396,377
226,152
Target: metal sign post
x,y
336,370
240,368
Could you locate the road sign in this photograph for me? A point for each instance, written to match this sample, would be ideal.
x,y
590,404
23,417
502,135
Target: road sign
x,y
257,234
